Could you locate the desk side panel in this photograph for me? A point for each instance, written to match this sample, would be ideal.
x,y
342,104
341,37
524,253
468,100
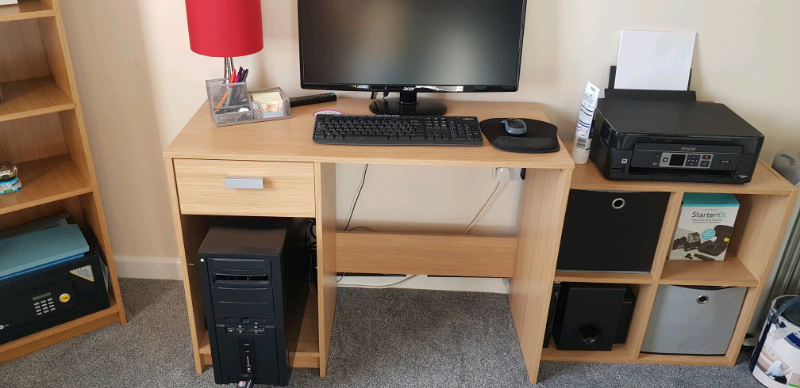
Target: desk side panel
x,y
544,203
190,231
325,193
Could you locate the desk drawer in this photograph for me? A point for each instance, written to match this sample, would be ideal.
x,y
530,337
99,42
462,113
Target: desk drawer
x,y
239,188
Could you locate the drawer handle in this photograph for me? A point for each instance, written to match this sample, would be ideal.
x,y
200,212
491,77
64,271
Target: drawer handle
x,y
244,182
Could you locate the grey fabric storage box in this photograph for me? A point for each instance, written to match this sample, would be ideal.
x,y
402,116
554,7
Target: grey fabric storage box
x,y
693,320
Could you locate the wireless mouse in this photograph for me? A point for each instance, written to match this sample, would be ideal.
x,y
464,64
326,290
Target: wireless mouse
x,y
515,127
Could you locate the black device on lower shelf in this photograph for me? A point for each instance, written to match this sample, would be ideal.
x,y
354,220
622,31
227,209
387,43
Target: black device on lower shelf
x,y
47,298
253,269
551,314
625,316
592,316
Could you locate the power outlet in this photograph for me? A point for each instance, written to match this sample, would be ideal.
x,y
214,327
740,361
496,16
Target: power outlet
x,y
505,174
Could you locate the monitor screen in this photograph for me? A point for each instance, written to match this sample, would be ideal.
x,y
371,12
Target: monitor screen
x,y
405,45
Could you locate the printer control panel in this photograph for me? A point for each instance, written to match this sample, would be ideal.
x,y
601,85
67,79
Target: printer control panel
x,y
673,157
680,160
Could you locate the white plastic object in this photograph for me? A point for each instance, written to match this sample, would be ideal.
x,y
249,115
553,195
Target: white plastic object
x,y
583,130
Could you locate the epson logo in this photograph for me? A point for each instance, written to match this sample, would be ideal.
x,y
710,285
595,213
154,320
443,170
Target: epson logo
x,y
688,148
409,88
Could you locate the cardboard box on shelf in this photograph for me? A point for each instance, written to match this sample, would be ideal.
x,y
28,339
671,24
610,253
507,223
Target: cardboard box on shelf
x,y
704,227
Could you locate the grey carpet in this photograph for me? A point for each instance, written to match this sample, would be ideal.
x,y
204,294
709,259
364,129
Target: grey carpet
x,y
382,338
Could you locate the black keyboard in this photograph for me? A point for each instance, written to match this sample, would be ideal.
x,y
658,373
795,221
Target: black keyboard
x,y
397,130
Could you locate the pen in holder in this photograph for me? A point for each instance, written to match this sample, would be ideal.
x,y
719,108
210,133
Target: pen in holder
x,y
231,104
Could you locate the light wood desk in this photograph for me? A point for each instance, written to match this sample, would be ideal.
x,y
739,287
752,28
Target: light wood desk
x,y
300,181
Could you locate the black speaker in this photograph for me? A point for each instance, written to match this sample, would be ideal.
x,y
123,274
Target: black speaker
x,y
625,316
551,314
611,231
587,316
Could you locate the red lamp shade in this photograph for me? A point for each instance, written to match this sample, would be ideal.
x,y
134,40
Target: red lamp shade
x,y
225,28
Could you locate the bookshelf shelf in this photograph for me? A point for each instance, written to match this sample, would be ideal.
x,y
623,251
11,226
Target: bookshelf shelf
x,y
25,10
33,97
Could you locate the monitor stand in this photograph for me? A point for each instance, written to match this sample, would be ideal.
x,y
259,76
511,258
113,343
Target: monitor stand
x,y
408,104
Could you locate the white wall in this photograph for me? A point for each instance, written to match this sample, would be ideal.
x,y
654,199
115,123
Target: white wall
x,y
140,84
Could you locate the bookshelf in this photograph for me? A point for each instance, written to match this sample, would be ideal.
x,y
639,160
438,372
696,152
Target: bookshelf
x,y
765,204
42,131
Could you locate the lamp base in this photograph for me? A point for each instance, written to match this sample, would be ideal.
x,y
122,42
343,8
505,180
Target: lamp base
x,y
229,68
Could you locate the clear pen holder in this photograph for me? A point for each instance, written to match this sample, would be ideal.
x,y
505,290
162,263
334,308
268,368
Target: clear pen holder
x,y
230,104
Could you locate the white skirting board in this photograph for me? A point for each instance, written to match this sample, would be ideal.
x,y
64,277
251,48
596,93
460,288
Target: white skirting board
x,y
144,267
169,268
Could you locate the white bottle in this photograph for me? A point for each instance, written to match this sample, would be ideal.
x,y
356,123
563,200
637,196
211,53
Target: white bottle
x,y
583,131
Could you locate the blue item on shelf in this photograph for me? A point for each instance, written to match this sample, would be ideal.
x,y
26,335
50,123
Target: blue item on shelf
x,y
41,249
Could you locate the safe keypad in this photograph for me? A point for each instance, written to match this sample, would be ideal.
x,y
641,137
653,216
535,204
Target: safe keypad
x,y
44,306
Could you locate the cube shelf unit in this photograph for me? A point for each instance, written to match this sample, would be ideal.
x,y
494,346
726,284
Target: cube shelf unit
x,y
765,206
42,131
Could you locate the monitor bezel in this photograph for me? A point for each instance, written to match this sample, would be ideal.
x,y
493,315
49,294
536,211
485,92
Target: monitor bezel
x,y
409,87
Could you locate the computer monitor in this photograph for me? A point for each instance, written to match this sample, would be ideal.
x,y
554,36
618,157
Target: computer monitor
x,y
411,46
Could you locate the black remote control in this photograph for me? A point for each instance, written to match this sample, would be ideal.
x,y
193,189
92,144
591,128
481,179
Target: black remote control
x,y
313,99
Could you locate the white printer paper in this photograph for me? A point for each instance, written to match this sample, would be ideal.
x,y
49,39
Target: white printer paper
x,y
653,60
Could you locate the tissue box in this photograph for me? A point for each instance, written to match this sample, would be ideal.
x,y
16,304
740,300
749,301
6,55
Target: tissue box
x,y
704,227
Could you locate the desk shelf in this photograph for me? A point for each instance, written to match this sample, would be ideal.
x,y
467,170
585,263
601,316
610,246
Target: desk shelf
x,y
765,204
26,9
728,273
620,353
604,277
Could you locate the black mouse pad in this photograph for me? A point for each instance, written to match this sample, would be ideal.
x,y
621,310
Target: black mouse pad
x,y
541,137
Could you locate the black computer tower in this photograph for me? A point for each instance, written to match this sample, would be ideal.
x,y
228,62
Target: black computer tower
x,y
253,269
611,230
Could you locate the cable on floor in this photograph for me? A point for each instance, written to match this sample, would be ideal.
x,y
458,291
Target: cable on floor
x,y
379,286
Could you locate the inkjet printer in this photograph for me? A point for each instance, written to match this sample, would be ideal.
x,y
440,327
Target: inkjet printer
x,y
670,136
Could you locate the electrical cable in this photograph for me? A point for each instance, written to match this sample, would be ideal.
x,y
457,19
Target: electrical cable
x,y
379,286
364,227
355,197
310,272
309,246
498,189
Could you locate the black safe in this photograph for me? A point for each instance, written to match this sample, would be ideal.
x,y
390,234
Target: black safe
x,y
611,231
253,270
43,299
